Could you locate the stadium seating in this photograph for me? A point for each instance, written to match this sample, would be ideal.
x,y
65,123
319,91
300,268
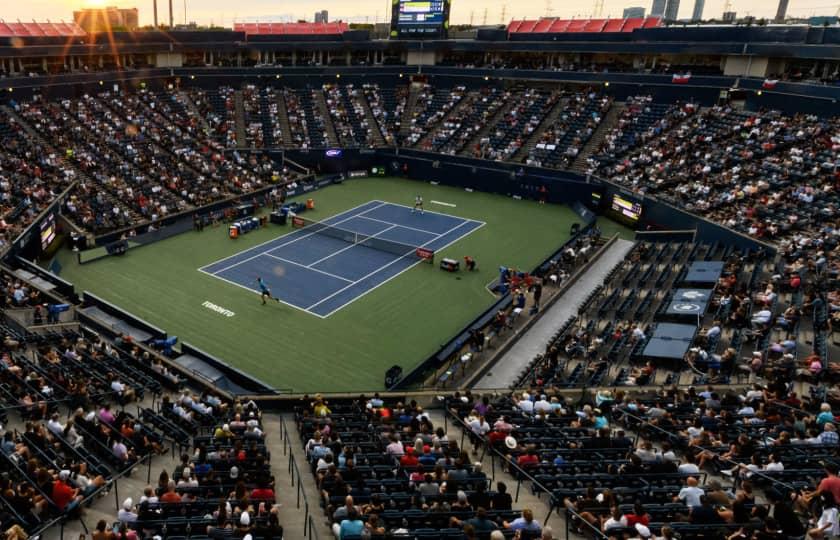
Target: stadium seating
x,y
291,29
552,25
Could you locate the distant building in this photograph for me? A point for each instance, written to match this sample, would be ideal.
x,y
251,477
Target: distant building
x,y
697,14
658,8
104,19
322,16
781,12
729,16
672,10
634,13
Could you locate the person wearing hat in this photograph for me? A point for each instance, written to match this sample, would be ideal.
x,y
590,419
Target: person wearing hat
x,y
64,495
409,460
642,531
427,459
244,527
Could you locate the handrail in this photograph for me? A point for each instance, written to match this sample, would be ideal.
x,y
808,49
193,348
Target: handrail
x,y
297,481
727,460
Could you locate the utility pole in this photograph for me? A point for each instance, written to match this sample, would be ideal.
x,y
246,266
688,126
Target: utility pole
x,y
472,16
484,20
504,14
154,3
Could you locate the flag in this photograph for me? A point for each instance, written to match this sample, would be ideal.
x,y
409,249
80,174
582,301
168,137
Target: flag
x,y
680,78
769,84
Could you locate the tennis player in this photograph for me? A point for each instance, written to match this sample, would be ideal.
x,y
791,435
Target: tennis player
x,y
418,204
265,292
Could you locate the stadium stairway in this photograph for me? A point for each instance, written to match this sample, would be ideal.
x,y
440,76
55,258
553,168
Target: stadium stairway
x,y
594,143
239,111
532,141
531,343
190,104
408,113
490,124
466,102
321,105
283,119
375,130
291,517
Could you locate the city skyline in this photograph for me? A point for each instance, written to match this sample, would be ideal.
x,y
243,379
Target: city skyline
x,y
219,12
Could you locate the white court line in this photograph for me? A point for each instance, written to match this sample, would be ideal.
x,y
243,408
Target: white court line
x,y
400,226
342,306
225,269
443,203
307,267
384,267
459,218
259,293
285,235
352,245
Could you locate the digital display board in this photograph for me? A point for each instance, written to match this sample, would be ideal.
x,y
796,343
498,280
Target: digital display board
x,y
47,231
627,208
420,19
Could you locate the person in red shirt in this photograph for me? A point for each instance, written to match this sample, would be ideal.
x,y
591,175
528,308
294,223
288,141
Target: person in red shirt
x,y
528,459
638,516
62,493
262,492
170,496
830,483
409,460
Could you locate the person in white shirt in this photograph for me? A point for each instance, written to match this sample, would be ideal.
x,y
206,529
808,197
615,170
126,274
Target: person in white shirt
x,y
54,425
615,521
828,525
689,467
395,448
525,404
690,494
479,428
126,515
543,405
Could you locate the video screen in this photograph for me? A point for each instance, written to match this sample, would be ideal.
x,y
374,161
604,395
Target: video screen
x,y
417,19
47,231
627,208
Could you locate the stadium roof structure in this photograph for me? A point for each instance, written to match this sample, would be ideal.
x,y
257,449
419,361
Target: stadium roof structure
x,y
553,25
40,29
291,29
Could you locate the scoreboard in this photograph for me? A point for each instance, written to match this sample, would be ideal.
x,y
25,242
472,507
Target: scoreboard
x,y
420,19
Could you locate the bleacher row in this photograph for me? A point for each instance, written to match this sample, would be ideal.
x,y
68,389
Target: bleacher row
x,y
554,25
150,154
388,466
606,482
603,344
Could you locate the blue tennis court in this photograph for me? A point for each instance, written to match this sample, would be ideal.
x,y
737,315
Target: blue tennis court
x,y
321,274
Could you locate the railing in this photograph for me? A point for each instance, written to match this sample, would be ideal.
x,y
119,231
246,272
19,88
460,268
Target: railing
x,y
520,475
309,528
731,462
112,483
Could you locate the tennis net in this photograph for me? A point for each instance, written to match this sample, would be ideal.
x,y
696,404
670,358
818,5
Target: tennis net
x,y
361,239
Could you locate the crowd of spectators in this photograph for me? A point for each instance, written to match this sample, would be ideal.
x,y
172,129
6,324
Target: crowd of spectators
x,y
715,462
385,469
137,157
770,176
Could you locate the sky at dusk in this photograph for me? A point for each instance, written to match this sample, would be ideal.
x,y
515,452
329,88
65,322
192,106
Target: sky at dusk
x,y
225,12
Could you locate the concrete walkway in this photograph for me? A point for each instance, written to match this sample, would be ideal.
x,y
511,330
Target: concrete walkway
x,y
508,367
